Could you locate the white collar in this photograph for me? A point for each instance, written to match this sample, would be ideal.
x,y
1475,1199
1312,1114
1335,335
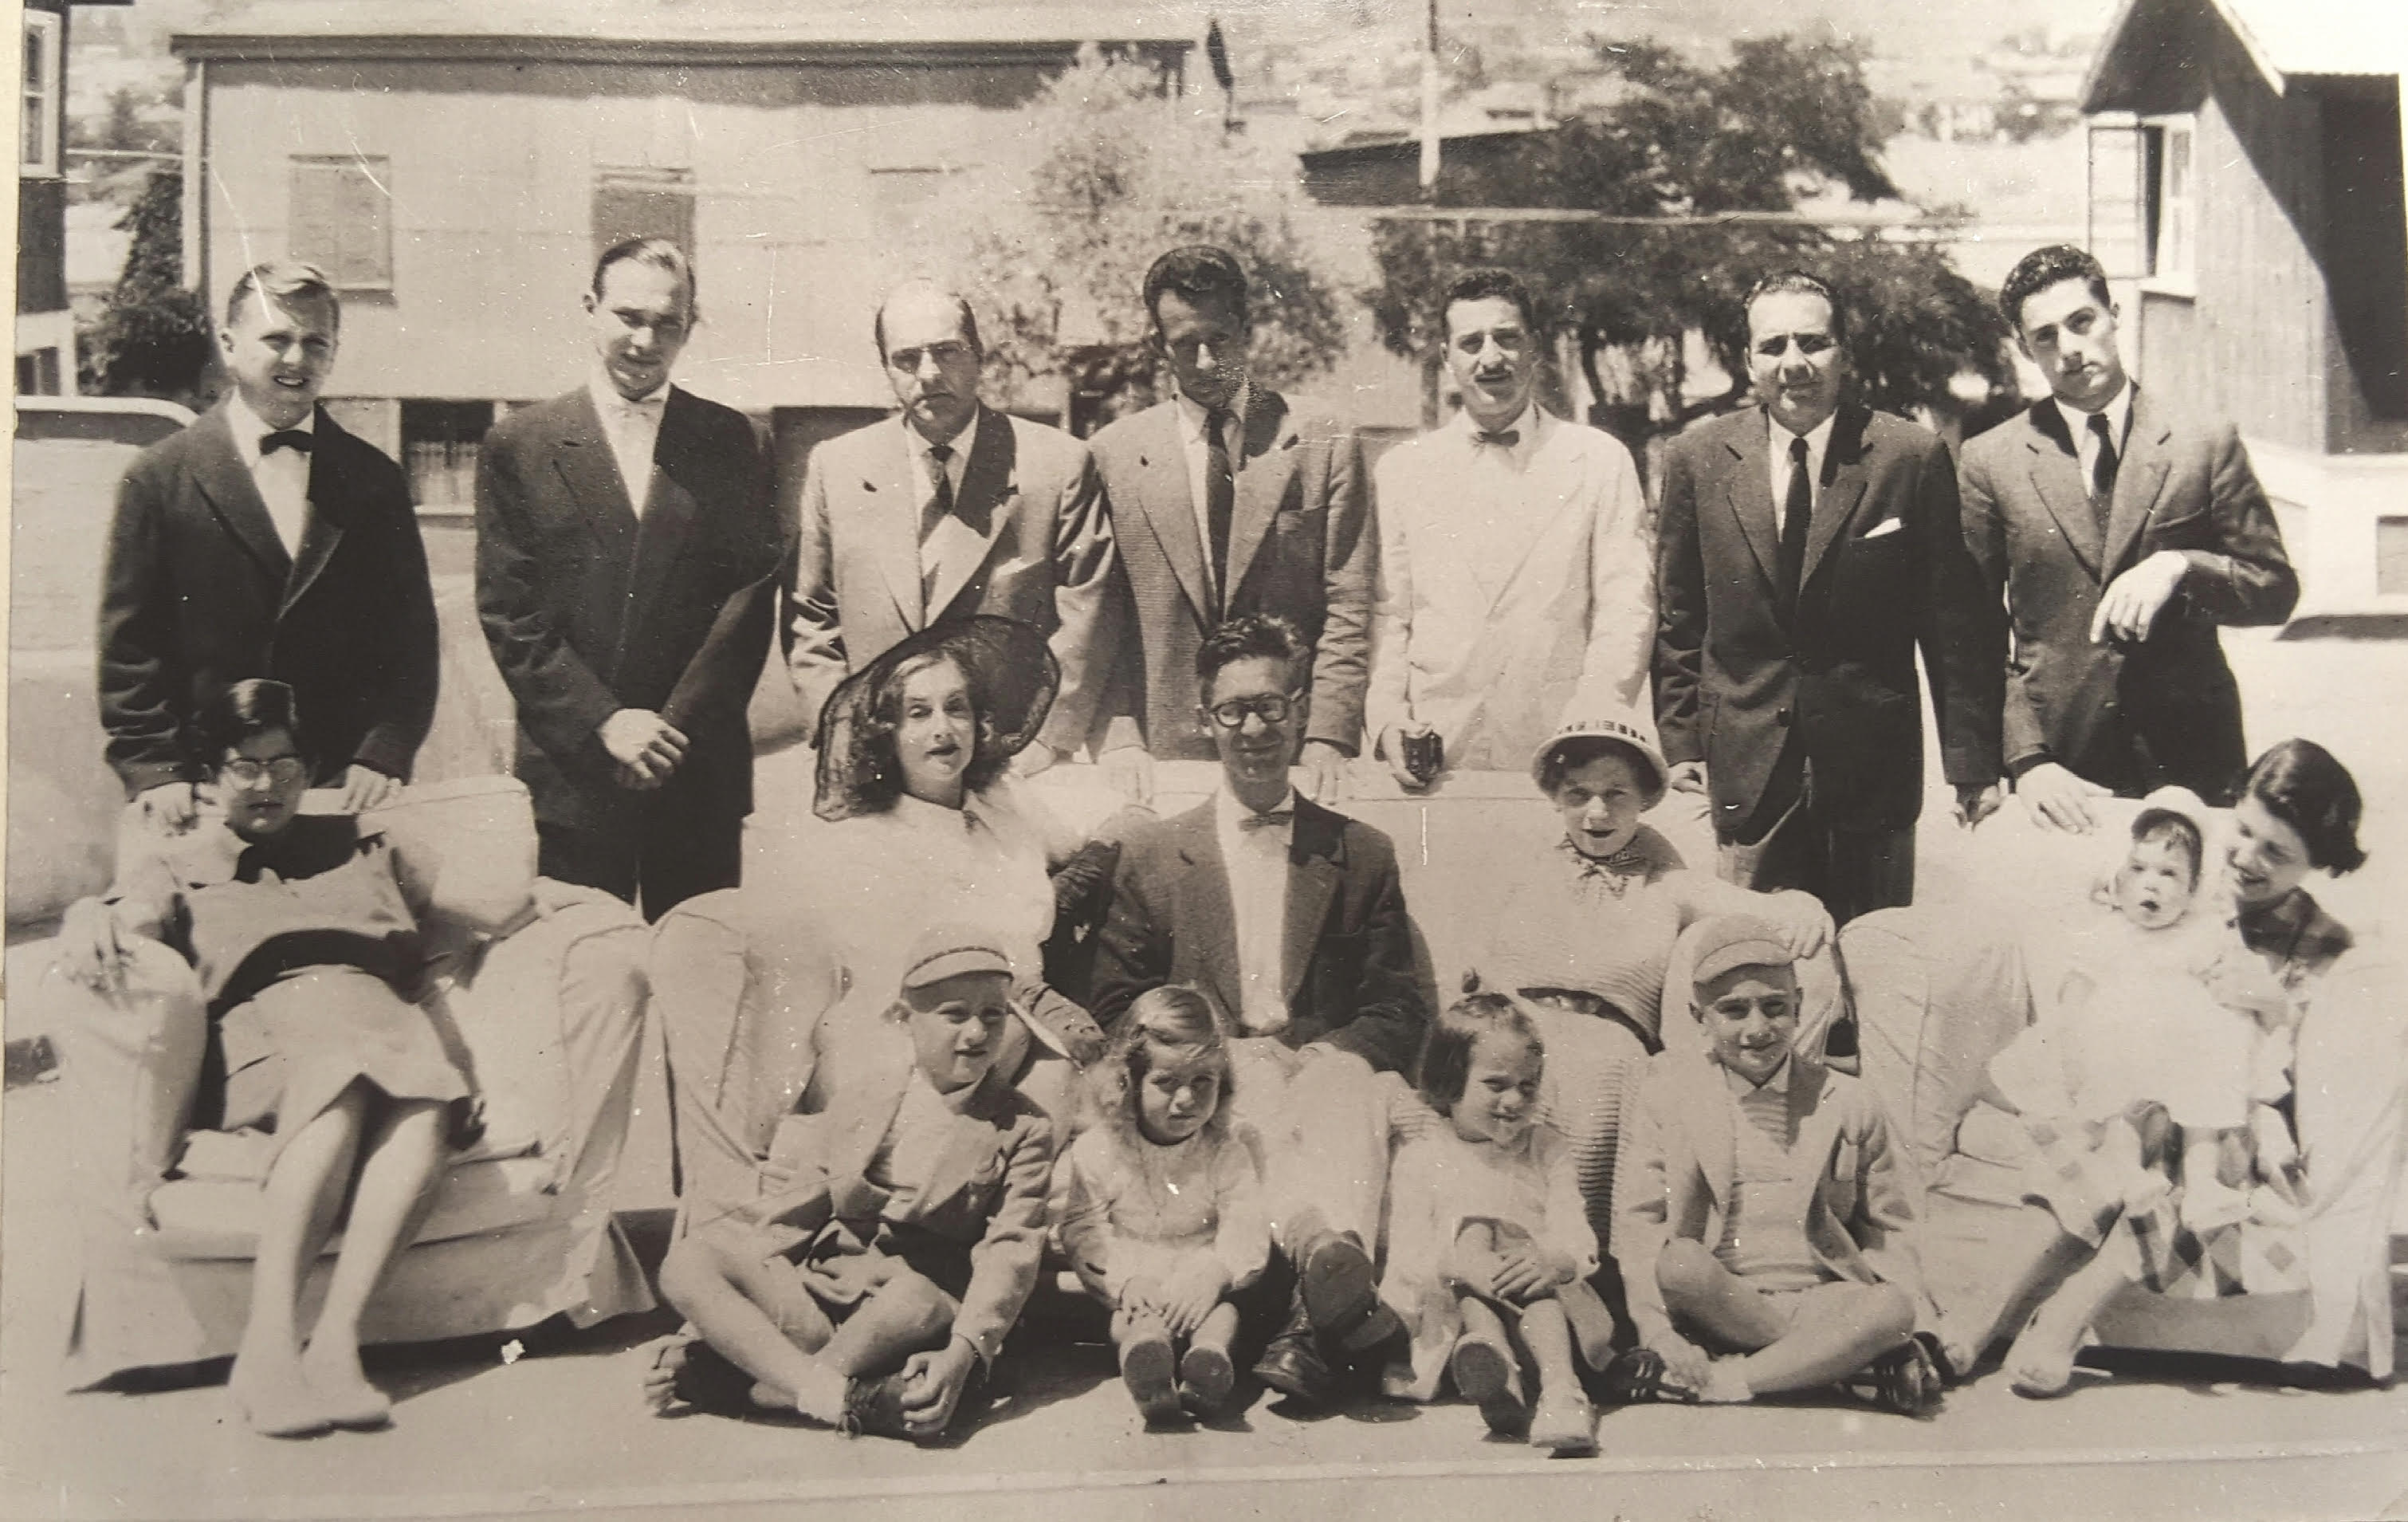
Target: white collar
x,y
1192,414
1818,437
608,400
1741,1087
2118,413
1527,424
960,443
1229,811
248,429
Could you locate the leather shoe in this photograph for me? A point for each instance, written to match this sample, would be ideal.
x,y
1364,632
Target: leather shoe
x,y
1341,1294
1293,1364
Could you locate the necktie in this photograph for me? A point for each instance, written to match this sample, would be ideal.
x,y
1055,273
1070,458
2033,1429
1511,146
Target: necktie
x,y
2102,467
1796,514
292,438
1275,819
940,500
1220,495
1502,438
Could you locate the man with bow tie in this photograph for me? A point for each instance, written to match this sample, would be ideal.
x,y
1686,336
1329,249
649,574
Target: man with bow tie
x,y
266,542
1515,569
1292,918
627,550
1229,499
948,510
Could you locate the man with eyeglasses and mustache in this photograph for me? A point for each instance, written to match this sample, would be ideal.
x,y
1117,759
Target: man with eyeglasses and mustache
x,y
1293,919
1808,548
948,510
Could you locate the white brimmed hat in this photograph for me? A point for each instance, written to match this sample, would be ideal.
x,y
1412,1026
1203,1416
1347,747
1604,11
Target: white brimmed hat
x,y
1616,722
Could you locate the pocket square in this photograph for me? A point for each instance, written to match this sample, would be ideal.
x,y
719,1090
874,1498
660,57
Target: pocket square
x,y
1889,526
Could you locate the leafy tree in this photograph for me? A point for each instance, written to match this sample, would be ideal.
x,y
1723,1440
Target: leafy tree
x,y
1686,145
152,338
1114,173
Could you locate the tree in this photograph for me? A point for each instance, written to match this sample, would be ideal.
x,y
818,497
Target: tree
x,y
152,338
1686,145
1116,171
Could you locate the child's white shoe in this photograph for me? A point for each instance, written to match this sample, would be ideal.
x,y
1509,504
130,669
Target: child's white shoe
x,y
1564,1424
2211,1204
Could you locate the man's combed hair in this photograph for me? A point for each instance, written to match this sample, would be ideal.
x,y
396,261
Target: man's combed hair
x,y
1255,637
652,252
243,710
1199,273
1488,283
1799,282
2043,267
284,279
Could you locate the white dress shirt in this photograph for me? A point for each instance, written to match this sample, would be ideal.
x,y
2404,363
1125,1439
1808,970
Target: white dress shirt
x,y
950,537
1257,864
2118,413
283,478
1818,440
1199,451
634,430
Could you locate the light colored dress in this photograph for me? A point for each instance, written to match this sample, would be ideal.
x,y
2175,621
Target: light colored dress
x,y
1127,1208
1441,1183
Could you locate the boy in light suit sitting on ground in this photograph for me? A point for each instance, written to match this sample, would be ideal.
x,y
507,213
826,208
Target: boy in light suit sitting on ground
x,y
871,1286
1763,1217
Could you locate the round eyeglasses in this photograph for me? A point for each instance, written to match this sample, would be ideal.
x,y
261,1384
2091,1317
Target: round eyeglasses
x,y
244,773
1271,709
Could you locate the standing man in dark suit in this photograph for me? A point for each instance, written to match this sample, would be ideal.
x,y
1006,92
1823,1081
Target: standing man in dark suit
x,y
626,555
266,541
1293,918
948,510
1806,549
1228,500
2124,533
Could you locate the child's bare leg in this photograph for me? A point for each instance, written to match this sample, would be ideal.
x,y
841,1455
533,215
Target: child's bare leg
x,y
404,1149
1563,1421
1839,1329
1698,1290
1485,1368
2041,1363
2036,1255
303,1192
1148,1364
722,1287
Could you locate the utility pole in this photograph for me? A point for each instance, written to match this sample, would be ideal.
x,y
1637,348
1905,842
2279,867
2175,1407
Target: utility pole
x,y
1429,104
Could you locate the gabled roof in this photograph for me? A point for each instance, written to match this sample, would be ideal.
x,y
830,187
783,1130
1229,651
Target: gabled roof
x,y
2283,37
681,29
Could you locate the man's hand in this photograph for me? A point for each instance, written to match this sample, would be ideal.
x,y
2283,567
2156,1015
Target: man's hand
x,y
2132,601
94,945
932,1386
1975,804
646,746
1035,757
1392,750
172,806
1805,924
2057,799
365,788
1687,777
1128,770
1325,771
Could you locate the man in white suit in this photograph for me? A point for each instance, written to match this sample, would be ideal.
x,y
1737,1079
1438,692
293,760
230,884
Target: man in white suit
x,y
948,510
1516,567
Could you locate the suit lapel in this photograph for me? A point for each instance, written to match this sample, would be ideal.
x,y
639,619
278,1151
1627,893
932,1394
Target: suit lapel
x,y
1848,474
217,470
890,520
2056,480
970,1146
1314,870
329,505
1267,457
583,459
1749,492
1205,910
989,484
1711,1119
2142,477
1546,485
1163,504
861,1110
668,512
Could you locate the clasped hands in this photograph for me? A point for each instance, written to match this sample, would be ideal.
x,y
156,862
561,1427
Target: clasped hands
x,y
1182,1302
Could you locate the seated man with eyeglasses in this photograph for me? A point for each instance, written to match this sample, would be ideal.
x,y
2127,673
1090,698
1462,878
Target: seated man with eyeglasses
x,y
1293,919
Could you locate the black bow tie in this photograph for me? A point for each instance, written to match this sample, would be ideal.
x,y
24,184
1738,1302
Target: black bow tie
x,y
1502,438
292,438
1275,819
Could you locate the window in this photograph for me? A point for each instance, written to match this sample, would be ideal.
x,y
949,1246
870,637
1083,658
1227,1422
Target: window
x,y
2391,556
439,444
44,108
643,203
2169,230
37,373
342,219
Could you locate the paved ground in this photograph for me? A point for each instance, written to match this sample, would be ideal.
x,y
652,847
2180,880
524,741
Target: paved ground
x,y
560,1432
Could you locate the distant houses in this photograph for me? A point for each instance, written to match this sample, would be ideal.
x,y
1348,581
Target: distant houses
x,y
2266,233
46,350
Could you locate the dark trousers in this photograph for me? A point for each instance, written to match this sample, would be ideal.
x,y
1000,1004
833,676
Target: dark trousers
x,y
664,860
1853,871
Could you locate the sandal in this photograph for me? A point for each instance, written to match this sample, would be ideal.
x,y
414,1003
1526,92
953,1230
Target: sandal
x,y
1905,1380
1638,1375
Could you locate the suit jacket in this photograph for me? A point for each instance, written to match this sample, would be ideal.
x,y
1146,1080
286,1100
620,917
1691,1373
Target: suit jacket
x,y
2166,709
983,1206
1674,1179
1348,958
589,611
1301,546
856,587
198,592
1886,570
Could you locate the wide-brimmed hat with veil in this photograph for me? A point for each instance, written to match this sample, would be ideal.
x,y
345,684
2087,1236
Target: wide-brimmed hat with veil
x,y
1012,675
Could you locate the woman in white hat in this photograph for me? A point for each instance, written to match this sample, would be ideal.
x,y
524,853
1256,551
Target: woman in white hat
x,y
1583,934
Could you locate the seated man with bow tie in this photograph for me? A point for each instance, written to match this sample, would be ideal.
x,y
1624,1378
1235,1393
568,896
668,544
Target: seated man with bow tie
x,y
266,542
1515,567
1293,919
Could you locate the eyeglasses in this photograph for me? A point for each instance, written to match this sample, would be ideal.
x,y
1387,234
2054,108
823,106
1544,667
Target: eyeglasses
x,y
1273,708
244,773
